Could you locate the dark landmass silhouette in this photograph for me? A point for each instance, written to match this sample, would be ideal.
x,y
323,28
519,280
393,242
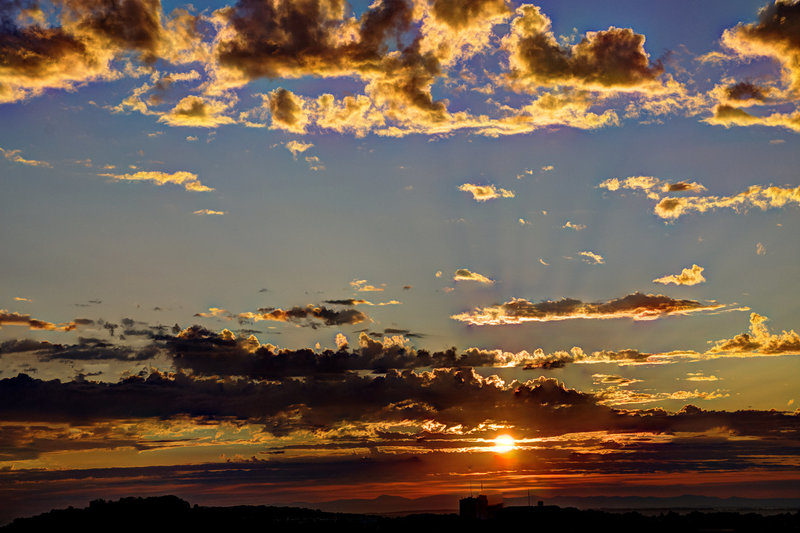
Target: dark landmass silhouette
x,y
446,503
170,513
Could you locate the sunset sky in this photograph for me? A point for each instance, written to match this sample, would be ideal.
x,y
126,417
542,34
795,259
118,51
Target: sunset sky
x,y
299,250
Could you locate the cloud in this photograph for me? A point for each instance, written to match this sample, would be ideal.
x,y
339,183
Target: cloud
x,y
698,376
310,315
612,59
610,379
759,341
287,110
188,180
688,276
16,157
637,306
9,318
650,185
298,147
205,212
482,193
726,115
86,36
576,227
760,250
361,285
672,208
616,396
463,274
592,258
197,112
775,35
358,301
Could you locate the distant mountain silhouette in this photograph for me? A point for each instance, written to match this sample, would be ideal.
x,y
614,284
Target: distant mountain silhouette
x,y
170,513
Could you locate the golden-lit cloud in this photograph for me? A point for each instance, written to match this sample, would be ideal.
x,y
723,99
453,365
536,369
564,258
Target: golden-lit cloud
x,y
699,376
636,306
672,208
197,112
206,212
614,395
298,147
9,318
16,157
592,258
359,301
688,276
576,227
775,35
463,274
482,193
650,185
288,111
726,115
612,59
187,180
361,285
759,341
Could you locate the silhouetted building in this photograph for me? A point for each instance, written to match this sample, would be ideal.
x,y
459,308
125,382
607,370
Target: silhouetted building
x,y
478,508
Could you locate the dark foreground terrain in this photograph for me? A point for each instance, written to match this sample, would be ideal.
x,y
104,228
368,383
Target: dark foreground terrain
x,y
170,513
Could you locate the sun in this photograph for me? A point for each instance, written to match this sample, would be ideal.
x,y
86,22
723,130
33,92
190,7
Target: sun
x,y
503,444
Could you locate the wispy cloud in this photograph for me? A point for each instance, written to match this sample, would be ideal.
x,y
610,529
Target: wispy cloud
x,y
187,180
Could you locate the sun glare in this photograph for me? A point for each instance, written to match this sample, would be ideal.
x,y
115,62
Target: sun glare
x,y
503,443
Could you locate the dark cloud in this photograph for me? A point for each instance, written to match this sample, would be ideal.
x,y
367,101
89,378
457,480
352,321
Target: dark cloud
x,y
463,13
612,58
346,301
86,349
637,306
328,317
8,318
124,24
451,397
745,90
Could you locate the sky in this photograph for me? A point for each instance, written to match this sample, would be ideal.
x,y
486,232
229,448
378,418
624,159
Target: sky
x,y
299,250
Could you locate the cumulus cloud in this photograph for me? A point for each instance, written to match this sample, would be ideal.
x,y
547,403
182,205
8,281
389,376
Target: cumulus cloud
x,y
775,35
612,59
759,341
188,180
463,274
482,193
637,306
688,276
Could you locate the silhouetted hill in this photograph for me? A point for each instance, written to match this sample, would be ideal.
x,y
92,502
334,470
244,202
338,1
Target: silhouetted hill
x,y
170,513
